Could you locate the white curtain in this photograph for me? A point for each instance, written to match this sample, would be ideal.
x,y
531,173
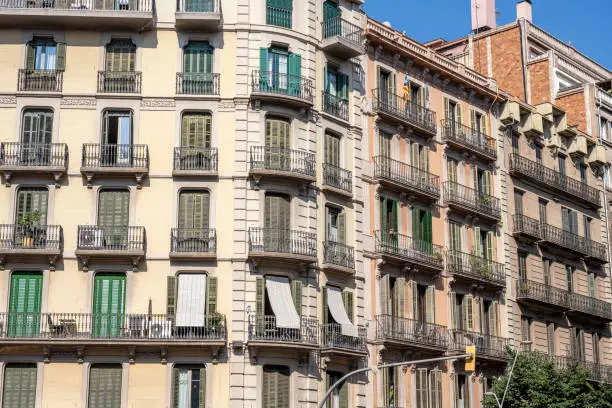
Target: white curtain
x,y
338,312
279,295
183,392
191,302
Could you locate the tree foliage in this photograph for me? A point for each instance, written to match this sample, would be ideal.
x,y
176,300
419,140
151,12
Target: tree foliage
x,y
538,383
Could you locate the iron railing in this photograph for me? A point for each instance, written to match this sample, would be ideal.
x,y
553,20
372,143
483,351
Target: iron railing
x,y
485,204
527,225
403,246
553,179
33,154
278,16
198,6
121,238
590,305
338,27
264,328
468,137
84,5
193,240
283,240
189,83
401,108
283,160
335,253
196,158
575,242
115,155
596,371
400,173
332,337
541,292
119,81
40,80
400,329
116,327
337,177
486,344
270,82
335,106
469,265
25,236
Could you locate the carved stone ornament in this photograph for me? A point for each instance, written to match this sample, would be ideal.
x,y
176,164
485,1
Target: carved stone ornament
x,y
8,100
158,103
78,103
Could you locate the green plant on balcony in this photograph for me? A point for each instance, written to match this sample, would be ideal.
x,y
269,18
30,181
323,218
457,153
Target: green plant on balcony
x,y
484,199
437,257
215,323
27,227
481,266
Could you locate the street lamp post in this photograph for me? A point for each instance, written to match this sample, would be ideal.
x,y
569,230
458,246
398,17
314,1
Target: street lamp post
x,y
500,404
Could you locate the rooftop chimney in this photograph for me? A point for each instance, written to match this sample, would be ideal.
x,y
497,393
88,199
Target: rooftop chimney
x,y
483,15
523,10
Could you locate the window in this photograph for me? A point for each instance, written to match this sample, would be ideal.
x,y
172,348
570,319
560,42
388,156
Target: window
x,y
199,6
120,56
422,235
484,245
19,390
538,152
522,265
191,297
336,225
390,386
336,83
550,333
193,221
420,157
595,340
489,317
104,386
277,143
561,163
542,205
546,266
340,396
275,390
482,181
591,283
547,127
332,149
338,309
569,275
452,113
423,298
478,123
452,166
108,304
515,144
196,131
31,207
386,82
384,143
607,178
198,68
462,394
565,82
392,298
331,18
577,343
36,136
518,202
24,304
113,217
277,222
116,149
280,71
188,387
388,215
44,54
463,311
279,13
455,236
603,129
569,220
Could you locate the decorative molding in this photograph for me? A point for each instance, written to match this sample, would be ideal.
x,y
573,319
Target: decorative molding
x,y
158,104
8,100
78,102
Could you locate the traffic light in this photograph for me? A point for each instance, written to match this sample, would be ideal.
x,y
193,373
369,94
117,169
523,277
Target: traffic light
x,y
470,362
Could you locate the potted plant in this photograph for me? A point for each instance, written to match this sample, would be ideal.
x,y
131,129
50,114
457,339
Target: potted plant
x,y
215,323
27,227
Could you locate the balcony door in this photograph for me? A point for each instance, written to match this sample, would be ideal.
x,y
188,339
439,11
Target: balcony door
x,y
340,396
280,71
336,225
386,89
196,131
108,305
120,56
423,304
331,19
24,304
277,223
31,217
116,149
36,133
422,235
277,155
577,343
276,391
388,222
113,218
452,113
193,216
188,387
198,66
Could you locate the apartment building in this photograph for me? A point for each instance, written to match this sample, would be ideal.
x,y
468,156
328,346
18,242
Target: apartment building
x,y
557,156
180,223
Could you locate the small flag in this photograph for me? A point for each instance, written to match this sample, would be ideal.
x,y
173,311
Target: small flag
x,y
407,87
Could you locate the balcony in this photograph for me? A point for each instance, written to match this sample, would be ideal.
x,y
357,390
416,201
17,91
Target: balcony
x,y
463,198
404,178
28,243
90,14
201,15
475,268
293,90
335,106
120,160
472,140
116,82
195,162
398,248
264,332
403,332
334,342
590,307
342,39
33,158
397,109
338,257
293,246
487,347
193,244
297,165
540,294
526,228
33,80
552,179
565,240
110,243
337,180
197,84
596,372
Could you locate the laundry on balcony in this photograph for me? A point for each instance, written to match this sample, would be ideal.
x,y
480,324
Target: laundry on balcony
x,y
279,295
338,312
191,301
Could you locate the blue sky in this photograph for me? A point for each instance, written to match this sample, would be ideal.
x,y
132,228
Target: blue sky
x,y
584,23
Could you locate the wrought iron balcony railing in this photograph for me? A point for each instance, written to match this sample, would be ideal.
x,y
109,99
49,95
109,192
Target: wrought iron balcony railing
x,y
35,80
275,83
338,27
527,226
481,203
475,267
82,5
290,161
279,17
469,138
115,155
31,237
574,242
541,292
119,81
335,106
337,177
109,327
15,154
402,174
404,110
550,178
189,83
590,305
99,238
203,240
265,329
400,329
597,372
335,253
486,345
196,159
198,6
332,337
405,247
283,241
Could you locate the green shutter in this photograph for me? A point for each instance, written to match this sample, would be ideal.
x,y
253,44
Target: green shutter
x,y
196,130
194,210
60,59
113,208
263,67
416,224
343,79
276,392
30,55
19,389
175,387
198,57
108,304
105,386
385,295
294,69
211,295
325,305
427,232
342,227
394,215
296,294
25,304
430,300
490,246
260,296
348,301
399,306
477,247
202,396
171,295
120,56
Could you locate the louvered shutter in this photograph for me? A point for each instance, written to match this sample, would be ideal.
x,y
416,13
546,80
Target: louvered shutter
x,y
343,395
202,396
421,388
399,306
452,170
325,305
414,155
430,300
171,295
487,182
108,304
105,386
454,311
348,301
263,69
526,331
385,385
467,313
296,294
518,202
550,334
175,387
573,222
435,384
477,243
60,57
113,208
25,304
416,224
490,246
427,232
483,125
394,215
493,318
31,55
19,389
294,65
473,124
344,88
211,295
425,159
447,115
458,115
565,219
416,310
196,130
283,390
342,227
385,295
260,296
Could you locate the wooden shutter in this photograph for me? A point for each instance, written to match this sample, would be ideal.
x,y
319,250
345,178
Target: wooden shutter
x,y
198,57
325,305
435,385
171,295
454,311
211,295
342,227
526,330
394,215
425,159
108,304
19,389
202,396
565,222
490,246
483,125
343,395
430,301
120,56
416,224
550,334
487,182
348,301
518,202
30,201
276,392
296,294
260,296
573,222
447,115
385,295
332,149
427,231
277,212
493,318
416,310
384,141
458,114
60,56
31,55
343,79
421,388
194,210
113,208
452,170
196,130
473,124
105,386
398,289
467,313
277,133
414,155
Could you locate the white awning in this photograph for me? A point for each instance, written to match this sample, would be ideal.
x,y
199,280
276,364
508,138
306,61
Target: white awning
x,y
338,312
279,296
191,300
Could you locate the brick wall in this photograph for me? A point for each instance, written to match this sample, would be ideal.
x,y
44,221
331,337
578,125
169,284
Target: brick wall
x,y
574,106
539,81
